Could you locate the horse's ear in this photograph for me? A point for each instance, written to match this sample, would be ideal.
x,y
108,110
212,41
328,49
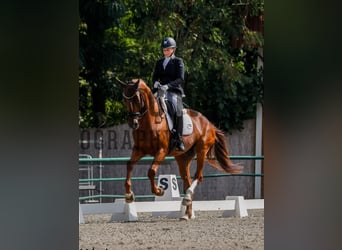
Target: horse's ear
x,y
121,82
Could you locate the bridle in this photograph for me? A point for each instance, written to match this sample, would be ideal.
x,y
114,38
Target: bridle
x,y
135,116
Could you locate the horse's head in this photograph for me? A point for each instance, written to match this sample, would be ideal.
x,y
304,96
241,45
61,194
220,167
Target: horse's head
x,y
135,102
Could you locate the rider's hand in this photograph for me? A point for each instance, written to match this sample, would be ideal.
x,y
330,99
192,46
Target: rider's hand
x,y
164,87
156,84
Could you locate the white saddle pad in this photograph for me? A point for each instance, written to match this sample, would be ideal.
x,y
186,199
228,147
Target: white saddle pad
x,y
187,123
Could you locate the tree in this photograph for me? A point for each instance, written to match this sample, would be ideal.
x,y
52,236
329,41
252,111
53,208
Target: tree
x,y
222,78
98,53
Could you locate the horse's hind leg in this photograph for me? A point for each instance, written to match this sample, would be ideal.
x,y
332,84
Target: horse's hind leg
x,y
201,154
184,162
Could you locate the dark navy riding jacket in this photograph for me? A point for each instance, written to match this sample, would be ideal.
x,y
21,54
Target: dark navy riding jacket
x,y
172,75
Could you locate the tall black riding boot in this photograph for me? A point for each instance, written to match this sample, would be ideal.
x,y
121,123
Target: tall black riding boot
x,y
179,124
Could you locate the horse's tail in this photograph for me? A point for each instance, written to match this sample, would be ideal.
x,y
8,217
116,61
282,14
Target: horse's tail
x,y
218,155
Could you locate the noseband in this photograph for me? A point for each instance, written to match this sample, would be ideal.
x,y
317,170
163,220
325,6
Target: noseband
x,y
142,105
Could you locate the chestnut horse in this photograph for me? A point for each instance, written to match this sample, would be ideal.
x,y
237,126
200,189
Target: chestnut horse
x,y
151,136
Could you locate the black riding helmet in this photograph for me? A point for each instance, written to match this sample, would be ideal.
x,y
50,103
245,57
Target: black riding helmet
x,y
168,42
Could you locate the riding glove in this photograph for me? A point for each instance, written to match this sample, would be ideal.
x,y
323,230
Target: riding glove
x,y
164,87
156,84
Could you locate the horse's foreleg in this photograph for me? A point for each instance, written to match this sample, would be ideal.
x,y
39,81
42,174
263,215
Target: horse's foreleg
x,y
152,173
129,195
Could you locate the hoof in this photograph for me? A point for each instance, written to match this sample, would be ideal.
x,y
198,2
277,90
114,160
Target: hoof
x,y
129,197
161,192
184,218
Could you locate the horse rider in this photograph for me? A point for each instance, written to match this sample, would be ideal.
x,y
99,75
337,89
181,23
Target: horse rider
x,y
169,74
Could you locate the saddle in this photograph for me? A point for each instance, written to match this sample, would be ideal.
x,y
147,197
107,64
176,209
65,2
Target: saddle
x,y
170,114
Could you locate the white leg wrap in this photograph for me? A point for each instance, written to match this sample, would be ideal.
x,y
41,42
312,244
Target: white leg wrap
x,y
187,200
191,189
